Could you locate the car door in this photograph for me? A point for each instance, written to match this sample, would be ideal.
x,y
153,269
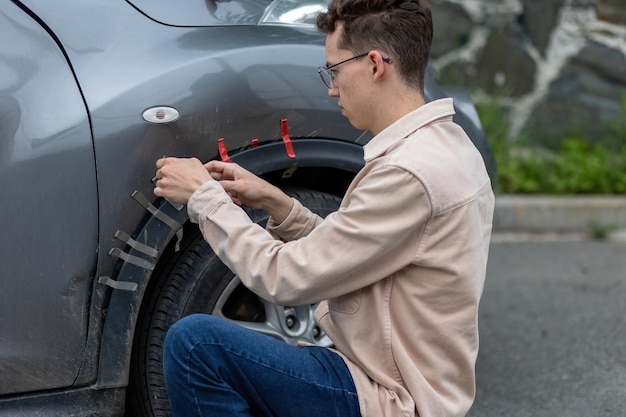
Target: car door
x,y
48,210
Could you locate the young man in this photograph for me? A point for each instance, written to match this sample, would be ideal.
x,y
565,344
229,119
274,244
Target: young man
x,y
401,263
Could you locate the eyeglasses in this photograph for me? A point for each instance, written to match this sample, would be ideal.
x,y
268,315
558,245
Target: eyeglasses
x,y
327,75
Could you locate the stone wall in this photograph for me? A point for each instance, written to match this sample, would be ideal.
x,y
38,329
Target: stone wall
x,y
556,66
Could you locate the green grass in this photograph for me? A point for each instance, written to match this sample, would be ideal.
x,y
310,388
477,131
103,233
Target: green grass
x,y
577,166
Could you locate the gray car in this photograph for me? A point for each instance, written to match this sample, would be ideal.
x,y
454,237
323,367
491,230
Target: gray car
x,y
94,268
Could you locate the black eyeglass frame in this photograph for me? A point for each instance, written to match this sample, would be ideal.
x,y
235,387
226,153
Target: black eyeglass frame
x,y
326,71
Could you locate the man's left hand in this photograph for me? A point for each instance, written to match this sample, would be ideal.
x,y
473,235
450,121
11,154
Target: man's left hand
x,y
178,178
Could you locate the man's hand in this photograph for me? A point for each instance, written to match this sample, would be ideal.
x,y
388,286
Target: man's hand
x,y
178,178
246,188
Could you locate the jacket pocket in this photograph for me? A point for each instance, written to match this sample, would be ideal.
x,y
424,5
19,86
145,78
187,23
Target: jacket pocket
x,y
346,304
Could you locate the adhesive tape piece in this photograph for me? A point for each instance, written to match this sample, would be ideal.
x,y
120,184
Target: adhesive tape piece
x,y
135,260
118,285
173,224
143,248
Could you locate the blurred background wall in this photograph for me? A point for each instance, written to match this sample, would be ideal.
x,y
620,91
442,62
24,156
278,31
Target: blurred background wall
x,y
554,67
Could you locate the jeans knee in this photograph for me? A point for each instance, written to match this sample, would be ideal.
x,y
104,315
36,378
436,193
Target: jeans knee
x,y
179,336
180,339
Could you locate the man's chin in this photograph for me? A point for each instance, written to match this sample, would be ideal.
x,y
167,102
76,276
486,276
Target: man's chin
x,y
354,123
345,114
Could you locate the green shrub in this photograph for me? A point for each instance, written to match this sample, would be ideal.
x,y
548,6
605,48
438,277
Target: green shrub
x,y
576,167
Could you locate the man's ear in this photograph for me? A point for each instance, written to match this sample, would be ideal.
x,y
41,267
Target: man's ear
x,y
377,64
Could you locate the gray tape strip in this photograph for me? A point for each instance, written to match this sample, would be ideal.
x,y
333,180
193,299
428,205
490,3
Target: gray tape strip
x,y
135,260
141,199
143,248
173,224
177,206
118,285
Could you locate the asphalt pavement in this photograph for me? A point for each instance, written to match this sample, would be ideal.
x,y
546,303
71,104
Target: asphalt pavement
x,y
553,327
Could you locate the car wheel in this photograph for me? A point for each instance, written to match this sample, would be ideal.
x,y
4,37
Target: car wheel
x,y
194,280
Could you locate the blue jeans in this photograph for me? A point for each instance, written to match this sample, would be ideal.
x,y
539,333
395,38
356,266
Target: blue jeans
x,y
216,368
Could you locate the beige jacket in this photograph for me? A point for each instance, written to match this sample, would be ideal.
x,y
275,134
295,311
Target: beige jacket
x,y
402,264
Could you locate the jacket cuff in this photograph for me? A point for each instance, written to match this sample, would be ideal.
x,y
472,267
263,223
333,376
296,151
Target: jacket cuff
x,y
297,224
205,199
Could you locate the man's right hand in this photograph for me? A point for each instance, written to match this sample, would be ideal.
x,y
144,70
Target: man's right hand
x,y
244,187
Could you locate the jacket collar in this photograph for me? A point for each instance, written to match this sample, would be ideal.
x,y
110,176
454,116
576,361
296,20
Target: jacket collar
x,y
407,125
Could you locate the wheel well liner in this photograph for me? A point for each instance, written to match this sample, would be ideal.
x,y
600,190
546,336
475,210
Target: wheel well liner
x,y
309,152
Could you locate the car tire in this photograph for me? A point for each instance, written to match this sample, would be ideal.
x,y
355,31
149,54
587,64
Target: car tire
x,y
194,280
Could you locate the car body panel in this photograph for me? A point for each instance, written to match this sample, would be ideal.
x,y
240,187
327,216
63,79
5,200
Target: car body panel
x,y
47,167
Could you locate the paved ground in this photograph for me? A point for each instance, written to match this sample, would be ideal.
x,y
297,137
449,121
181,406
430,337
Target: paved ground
x,y
553,329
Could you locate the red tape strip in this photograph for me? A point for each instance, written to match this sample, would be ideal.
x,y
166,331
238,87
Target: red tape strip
x,y
221,147
286,139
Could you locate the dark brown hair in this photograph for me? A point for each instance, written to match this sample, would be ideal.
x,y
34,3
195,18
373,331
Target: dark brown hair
x,y
401,29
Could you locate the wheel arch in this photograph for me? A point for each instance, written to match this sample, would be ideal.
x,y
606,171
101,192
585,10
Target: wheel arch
x,y
316,162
